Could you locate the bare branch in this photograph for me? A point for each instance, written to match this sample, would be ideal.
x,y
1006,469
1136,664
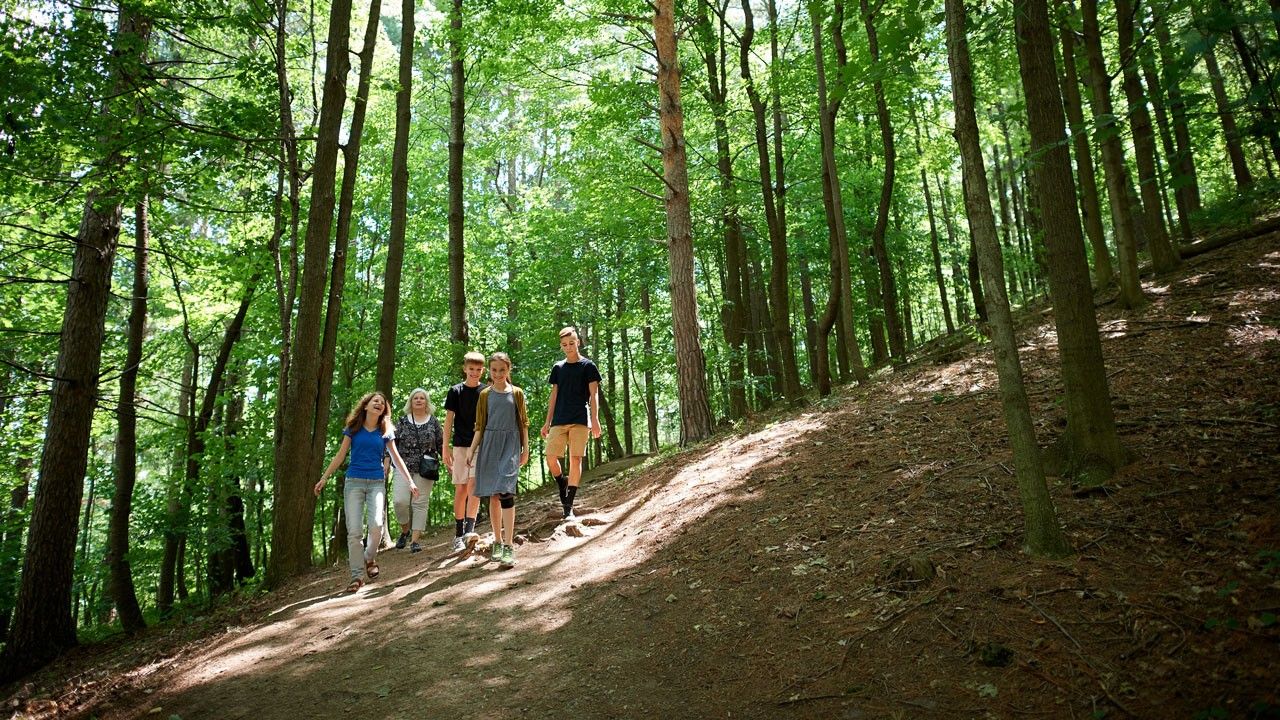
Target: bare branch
x,y
648,194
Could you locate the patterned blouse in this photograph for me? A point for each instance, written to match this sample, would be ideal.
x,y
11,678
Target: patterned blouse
x,y
413,440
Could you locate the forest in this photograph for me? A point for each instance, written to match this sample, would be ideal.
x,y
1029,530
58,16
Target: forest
x,y
222,223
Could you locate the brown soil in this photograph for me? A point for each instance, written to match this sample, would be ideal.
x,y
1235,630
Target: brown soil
x,y
857,559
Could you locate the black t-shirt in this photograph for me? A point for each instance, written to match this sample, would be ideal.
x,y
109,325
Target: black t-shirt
x,y
462,400
573,381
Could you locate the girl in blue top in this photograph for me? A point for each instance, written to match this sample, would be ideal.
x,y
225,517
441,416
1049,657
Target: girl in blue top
x,y
366,433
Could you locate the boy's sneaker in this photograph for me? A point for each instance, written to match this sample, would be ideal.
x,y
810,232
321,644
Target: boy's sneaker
x,y
508,557
400,541
458,545
495,553
569,516
415,547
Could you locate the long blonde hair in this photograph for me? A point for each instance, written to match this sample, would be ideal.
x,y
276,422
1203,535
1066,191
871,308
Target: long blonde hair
x,y
355,418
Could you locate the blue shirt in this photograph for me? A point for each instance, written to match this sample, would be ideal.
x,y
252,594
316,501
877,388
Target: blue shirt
x,y
366,453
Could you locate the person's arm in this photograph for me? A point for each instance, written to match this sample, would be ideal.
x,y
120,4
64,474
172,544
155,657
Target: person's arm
x,y
482,419
333,464
448,439
475,445
551,408
524,433
399,463
593,389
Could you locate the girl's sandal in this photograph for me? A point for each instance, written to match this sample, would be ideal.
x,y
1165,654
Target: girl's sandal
x,y
355,585
371,567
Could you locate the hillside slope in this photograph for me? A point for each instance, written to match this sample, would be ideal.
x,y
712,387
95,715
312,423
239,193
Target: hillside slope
x,y
859,558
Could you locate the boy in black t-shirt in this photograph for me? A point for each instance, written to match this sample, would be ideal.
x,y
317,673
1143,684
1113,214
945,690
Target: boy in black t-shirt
x,y
575,382
459,427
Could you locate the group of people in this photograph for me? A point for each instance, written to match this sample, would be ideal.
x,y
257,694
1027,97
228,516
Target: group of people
x,y
484,442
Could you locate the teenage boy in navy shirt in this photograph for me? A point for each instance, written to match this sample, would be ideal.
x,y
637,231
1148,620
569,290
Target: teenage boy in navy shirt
x,y
575,383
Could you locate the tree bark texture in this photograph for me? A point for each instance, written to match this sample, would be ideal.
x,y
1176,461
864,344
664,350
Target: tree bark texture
x,y
1086,176
691,373
1227,117
120,578
1113,163
293,503
1095,447
43,625
459,333
1164,256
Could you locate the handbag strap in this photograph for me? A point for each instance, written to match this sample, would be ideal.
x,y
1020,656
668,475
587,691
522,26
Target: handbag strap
x,y
417,431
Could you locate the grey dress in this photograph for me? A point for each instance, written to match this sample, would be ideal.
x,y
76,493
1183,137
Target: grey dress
x,y
498,460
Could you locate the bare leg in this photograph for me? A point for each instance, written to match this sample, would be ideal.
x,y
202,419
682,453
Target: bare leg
x,y
495,517
509,525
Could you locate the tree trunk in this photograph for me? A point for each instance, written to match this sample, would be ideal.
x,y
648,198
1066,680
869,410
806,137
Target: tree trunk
x,y
338,268
1094,446
1260,89
953,252
174,493
459,333
385,379
11,545
1164,256
1005,223
1113,163
810,317
293,502
888,290
1151,79
1043,535
1226,116
772,191
1086,177
733,311
836,230
120,572
42,623
691,372
628,433
933,229
1182,165
650,391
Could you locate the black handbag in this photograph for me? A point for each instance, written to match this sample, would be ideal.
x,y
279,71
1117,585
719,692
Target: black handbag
x,y
428,465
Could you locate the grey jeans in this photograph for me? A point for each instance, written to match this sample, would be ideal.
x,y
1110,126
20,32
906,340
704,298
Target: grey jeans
x,y
364,496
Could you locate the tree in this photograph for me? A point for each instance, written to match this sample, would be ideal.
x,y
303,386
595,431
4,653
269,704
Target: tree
x,y
1093,447
691,373
294,504
459,333
42,623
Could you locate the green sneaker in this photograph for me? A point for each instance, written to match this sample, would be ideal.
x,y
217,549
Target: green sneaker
x,y
495,553
508,556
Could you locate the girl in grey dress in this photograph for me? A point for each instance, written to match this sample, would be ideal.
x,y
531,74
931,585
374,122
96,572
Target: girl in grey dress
x,y
498,451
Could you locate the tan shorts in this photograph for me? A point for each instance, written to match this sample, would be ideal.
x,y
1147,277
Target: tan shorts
x,y
461,473
573,436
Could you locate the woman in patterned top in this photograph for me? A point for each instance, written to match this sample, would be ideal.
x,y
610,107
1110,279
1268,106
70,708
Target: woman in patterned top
x,y
417,434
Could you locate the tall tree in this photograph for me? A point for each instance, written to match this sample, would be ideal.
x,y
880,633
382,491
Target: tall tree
x,y
42,622
1113,163
120,578
1093,446
399,208
1227,117
1086,177
1043,534
893,322
935,253
772,191
1164,256
293,503
691,373
459,333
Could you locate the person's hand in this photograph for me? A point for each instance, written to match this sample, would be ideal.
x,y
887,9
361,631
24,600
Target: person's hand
x,y
447,456
524,458
320,485
595,431
413,489
471,459
546,429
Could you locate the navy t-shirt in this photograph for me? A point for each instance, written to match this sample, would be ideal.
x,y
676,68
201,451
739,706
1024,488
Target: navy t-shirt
x,y
462,401
573,382
366,453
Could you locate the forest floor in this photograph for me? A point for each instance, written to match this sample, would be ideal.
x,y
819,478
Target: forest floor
x,y
858,558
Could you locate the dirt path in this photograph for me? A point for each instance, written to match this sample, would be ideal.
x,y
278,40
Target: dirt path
x,y
856,559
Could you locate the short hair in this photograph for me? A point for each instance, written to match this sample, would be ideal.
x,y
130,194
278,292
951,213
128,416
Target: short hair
x,y
569,330
501,357
473,357
408,403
